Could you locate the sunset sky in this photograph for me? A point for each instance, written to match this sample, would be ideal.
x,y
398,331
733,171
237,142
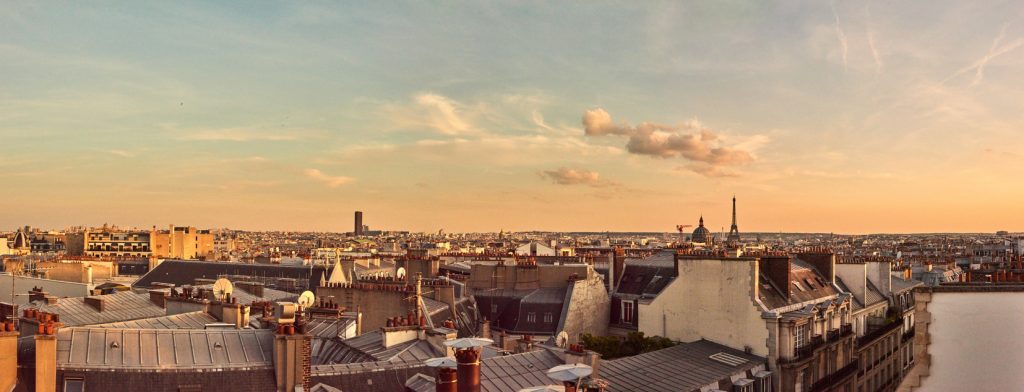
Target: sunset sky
x,y
846,117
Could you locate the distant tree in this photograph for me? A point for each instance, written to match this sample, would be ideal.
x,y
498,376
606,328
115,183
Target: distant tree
x,y
611,347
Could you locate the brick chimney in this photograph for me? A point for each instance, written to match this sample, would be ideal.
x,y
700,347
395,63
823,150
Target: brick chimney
x,y
485,328
618,265
46,359
777,268
95,302
823,260
468,369
291,358
157,297
8,356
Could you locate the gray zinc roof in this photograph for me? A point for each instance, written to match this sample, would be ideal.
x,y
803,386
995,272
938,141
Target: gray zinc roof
x,y
119,306
684,367
190,320
164,349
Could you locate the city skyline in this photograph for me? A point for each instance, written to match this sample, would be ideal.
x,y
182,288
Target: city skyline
x,y
846,117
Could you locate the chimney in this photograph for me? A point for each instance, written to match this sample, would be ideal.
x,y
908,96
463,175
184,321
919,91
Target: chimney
x,y
157,297
468,369
46,359
8,356
576,353
485,328
618,265
291,353
777,268
823,260
235,313
95,302
447,380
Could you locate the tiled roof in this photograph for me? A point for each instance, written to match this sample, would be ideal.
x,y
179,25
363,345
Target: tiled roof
x,y
190,320
119,306
684,367
164,349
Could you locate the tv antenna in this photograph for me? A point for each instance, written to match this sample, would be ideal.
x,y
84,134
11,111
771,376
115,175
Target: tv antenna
x,y
222,289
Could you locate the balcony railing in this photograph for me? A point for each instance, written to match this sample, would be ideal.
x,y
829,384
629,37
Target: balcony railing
x,y
835,378
879,332
909,335
806,351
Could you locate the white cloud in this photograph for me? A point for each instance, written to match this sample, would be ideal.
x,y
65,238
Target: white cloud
x,y
237,135
330,181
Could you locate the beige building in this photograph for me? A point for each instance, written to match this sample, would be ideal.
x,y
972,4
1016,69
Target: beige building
x,y
110,244
182,242
785,308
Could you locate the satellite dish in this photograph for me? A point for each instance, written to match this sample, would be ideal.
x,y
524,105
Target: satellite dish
x,y
400,274
562,339
306,299
221,288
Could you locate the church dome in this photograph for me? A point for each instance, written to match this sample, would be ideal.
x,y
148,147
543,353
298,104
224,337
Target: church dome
x,y
701,234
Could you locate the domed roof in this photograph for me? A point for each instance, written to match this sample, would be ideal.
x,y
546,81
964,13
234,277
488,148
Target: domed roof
x,y
701,234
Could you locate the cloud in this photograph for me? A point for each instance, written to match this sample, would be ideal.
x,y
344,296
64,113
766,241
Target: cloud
x,y
691,141
574,176
330,181
871,38
120,153
436,113
236,135
843,43
994,51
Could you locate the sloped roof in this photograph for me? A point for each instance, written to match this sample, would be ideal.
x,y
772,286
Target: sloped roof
x,y
182,272
369,347
190,320
164,349
647,276
684,367
806,284
119,306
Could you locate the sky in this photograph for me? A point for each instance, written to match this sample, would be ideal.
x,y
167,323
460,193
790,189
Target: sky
x,y
842,116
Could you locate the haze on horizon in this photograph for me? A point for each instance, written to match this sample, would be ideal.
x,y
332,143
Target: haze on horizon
x,y
845,117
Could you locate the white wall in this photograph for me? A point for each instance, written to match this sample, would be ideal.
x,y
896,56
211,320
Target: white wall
x,y
711,299
975,342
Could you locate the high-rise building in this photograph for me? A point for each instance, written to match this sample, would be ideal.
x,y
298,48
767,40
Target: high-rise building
x,y
359,223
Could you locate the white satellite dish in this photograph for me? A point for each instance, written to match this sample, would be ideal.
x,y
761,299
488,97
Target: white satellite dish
x,y
221,288
306,299
400,274
562,339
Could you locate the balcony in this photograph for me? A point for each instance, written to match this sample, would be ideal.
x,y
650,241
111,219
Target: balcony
x,y
806,351
879,331
909,335
834,379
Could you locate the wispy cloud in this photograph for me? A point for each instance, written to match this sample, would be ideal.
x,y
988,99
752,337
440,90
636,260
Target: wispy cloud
x,y
575,176
236,135
871,37
433,112
994,51
120,153
840,35
330,181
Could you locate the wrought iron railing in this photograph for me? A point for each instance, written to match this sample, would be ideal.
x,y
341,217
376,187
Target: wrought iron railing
x,y
834,378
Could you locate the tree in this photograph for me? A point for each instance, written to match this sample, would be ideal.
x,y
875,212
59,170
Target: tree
x,y
611,347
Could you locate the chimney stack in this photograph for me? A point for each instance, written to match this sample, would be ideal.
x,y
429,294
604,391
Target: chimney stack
x,y
447,380
468,369
46,358
291,358
778,269
8,355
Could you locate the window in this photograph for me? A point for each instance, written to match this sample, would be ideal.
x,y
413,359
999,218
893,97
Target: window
x,y
74,384
531,317
802,333
548,318
494,308
627,311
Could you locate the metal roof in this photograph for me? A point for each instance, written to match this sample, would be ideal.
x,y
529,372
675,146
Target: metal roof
x,y
164,349
119,306
684,367
190,320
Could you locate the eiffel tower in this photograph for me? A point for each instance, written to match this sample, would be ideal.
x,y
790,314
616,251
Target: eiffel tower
x,y
734,231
